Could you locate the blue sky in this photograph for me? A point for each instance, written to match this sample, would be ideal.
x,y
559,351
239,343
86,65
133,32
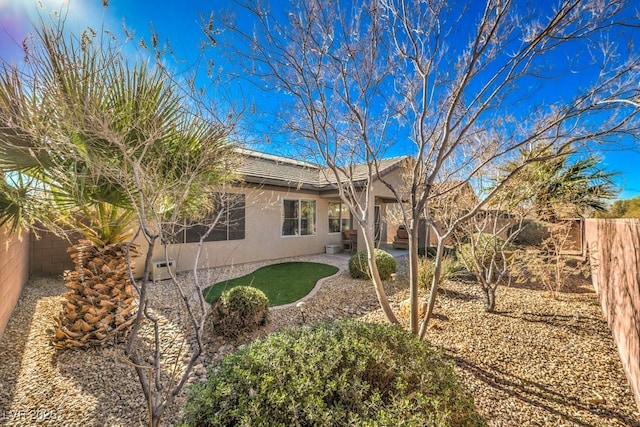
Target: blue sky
x,y
179,22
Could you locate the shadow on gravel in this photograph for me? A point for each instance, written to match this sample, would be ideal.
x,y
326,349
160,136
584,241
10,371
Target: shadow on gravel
x,y
577,324
17,348
576,284
540,396
109,376
12,347
457,295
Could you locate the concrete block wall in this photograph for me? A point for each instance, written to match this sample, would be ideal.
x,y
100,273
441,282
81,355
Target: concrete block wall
x,y
49,255
14,271
614,251
575,239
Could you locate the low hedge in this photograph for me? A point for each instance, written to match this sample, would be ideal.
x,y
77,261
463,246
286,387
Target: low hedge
x,y
333,374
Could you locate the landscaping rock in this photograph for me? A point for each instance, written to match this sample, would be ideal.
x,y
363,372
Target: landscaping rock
x,y
538,361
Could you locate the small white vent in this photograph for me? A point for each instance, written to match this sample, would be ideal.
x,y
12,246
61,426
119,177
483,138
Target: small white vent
x,y
160,269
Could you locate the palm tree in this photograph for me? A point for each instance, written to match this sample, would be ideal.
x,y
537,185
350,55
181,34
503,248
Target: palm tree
x,y
84,137
560,186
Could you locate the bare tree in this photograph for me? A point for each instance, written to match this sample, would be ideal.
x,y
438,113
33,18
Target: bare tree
x,y
548,264
337,88
485,245
466,101
459,86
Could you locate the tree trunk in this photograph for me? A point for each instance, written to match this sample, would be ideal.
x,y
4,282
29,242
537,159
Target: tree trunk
x,y
377,283
434,288
413,281
490,299
100,305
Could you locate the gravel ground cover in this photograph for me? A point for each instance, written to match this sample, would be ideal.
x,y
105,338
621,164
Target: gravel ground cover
x,y
538,361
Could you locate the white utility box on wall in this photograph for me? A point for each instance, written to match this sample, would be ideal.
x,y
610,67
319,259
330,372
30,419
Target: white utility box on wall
x,y
160,269
333,249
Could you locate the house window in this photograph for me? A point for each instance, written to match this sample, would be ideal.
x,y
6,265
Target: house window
x,y
229,226
298,217
339,217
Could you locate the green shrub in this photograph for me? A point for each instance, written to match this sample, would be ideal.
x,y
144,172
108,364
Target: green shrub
x,y
426,267
238,310
431,251
333,374
359,267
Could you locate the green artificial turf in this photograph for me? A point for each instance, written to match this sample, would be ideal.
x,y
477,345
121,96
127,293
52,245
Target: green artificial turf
x,y
282,283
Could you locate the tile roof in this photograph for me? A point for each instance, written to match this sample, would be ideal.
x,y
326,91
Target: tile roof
x,y
269,169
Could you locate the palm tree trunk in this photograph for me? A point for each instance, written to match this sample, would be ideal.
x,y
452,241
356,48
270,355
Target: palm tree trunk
x,y
100,305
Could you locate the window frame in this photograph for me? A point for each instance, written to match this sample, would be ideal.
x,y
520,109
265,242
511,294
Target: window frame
x,y
298,217
230,227
346,222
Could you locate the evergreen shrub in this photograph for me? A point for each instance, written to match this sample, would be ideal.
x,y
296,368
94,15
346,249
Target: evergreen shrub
x,y
359,267
238,310
333,374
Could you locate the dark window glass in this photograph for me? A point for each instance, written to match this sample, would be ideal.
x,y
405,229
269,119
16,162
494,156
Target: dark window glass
x,y
230,224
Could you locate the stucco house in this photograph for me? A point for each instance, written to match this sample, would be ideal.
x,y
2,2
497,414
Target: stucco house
x,y
282,208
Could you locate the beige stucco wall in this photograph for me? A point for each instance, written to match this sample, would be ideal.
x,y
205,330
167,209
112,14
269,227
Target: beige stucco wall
x,y
263,234
14,271
614,249
395,179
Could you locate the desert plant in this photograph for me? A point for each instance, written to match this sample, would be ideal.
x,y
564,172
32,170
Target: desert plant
x,y
114,148
547,265
426,267
240,309
333,373
359,266
486,246
489,258
563,186
101,274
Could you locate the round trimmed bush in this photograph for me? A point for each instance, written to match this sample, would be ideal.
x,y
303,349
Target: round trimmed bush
x,y
240,309
359,267
333,374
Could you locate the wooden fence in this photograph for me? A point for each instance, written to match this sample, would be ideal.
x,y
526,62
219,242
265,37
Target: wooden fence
x,y
614,251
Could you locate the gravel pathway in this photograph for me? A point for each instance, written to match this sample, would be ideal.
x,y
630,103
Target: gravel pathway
x,y
537,362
